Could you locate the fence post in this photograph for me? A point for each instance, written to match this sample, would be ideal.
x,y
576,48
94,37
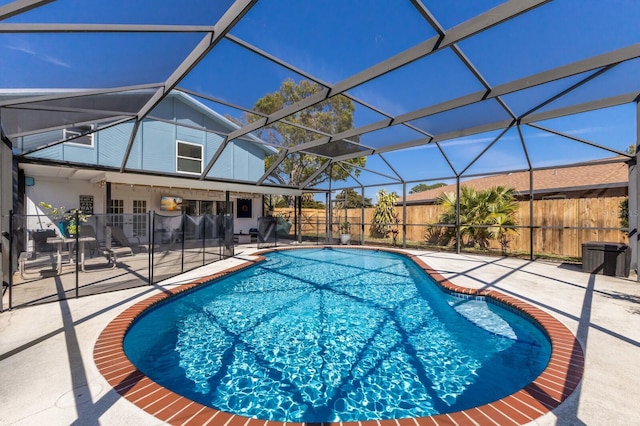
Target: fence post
x,y
10,278
404,215
153,244
531,221
204,237
76,218
182,226
362,216
458,214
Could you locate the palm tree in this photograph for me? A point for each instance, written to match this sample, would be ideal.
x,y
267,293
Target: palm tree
x,y
484,215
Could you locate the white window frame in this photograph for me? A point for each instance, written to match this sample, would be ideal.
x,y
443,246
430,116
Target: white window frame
x,y
74,131
201,159
139,219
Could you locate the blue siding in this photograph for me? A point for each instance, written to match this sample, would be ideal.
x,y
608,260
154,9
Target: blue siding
x,y
154,148
240,160
212,143
159,151
164,110
223,168
188,134
112,143
217,126
241,163
187,116
32,141
255,160
52,153
136,154
79,154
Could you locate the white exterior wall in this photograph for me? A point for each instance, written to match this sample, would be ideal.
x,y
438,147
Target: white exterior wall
x,y
66,193
152,195
59,193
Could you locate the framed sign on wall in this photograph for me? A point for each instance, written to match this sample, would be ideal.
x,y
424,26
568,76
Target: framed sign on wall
x,y
244,207
86,204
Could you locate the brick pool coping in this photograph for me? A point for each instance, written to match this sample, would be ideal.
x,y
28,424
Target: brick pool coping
x,y
558,380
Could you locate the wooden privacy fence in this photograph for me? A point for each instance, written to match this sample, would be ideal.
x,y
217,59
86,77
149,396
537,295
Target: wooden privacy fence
x,y
560,226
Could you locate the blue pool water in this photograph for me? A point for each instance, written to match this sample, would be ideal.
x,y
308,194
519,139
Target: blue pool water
x,y
335,335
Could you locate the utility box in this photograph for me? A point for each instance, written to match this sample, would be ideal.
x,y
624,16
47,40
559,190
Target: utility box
x,y
613,259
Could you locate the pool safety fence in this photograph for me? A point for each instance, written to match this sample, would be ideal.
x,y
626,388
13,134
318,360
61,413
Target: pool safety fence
x,y
51,260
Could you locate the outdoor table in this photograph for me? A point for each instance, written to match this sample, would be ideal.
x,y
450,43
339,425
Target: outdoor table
x,y
60,242
242,238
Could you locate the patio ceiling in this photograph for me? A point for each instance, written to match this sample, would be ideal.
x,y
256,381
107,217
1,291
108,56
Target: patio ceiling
x,y
439,89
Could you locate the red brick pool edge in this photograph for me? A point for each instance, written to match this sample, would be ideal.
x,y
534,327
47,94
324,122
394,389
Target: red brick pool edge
x,y
559,379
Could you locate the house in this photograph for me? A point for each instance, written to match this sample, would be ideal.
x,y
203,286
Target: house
x,y
600,178
170,150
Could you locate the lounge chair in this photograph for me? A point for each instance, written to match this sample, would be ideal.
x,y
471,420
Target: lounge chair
x,y
123,241
111,254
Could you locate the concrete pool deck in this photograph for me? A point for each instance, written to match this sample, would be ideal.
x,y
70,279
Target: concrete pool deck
x,y
49,375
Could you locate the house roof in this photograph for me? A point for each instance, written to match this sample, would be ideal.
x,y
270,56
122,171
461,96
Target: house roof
x,y
607,173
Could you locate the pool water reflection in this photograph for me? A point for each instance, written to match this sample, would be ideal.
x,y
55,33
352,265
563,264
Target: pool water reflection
x,y
335,335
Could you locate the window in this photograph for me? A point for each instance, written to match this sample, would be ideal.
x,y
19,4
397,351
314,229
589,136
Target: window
x,y
189,158
222,207
197,207
140,218
85,140
116,210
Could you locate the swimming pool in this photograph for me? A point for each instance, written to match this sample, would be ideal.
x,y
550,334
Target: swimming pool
x,y
362,323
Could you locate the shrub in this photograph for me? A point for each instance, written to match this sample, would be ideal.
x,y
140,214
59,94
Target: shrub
x,y
384,215
484,215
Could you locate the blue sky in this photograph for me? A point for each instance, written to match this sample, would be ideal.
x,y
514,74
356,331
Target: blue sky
x,y
336,39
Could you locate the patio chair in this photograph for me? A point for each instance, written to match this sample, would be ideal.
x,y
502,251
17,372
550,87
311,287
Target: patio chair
x,y
42,256
123,241
111,254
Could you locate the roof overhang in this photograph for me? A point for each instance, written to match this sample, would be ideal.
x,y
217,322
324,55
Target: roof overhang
x,y
96,176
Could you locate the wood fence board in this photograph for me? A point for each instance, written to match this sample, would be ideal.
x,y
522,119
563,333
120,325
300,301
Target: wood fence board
x,y
601,212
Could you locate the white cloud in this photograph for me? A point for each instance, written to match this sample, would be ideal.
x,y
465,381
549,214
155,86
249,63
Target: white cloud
x,y
468,141
22,49
55,61
585,130
41,56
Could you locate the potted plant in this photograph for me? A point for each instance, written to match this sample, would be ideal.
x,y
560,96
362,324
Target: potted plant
x,y
64,219
345,232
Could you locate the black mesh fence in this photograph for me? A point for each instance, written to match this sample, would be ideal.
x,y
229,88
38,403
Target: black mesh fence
x,y
267,232
72,255
185,242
